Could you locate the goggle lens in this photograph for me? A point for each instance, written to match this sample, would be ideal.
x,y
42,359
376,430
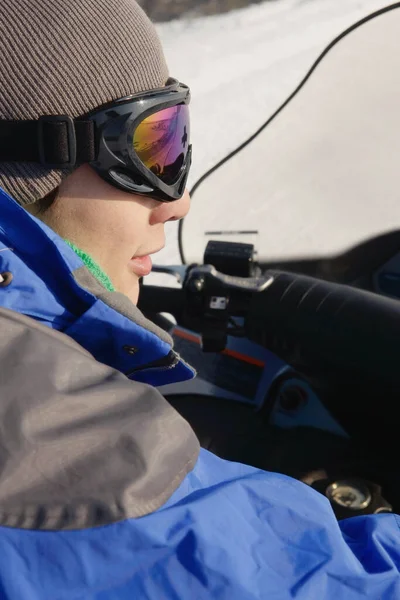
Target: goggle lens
x,y
161,141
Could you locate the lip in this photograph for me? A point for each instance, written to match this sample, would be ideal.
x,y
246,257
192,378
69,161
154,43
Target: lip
x,y
142,265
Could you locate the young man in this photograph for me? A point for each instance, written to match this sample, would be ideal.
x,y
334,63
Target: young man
x,y
104,493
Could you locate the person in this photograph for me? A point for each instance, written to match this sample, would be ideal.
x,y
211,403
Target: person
x,y
104,492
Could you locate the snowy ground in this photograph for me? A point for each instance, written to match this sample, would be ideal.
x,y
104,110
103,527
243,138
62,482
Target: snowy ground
x,y
242,65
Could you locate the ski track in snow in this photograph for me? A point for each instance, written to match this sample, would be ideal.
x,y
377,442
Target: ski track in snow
x,y
241,66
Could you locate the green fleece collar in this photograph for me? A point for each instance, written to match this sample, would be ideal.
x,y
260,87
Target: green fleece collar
x,y
93,267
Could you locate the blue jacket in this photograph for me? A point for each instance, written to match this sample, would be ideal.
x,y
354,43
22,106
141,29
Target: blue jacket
x,y
104,493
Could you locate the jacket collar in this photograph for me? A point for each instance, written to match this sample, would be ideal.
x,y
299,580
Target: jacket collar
x,y
52,285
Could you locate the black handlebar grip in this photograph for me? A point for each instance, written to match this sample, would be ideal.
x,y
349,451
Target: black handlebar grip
x,y
319,326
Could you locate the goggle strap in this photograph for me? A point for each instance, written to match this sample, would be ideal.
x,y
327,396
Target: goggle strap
x,y
55,141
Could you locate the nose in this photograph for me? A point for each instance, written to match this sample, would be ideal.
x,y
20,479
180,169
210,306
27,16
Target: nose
x,y
171,211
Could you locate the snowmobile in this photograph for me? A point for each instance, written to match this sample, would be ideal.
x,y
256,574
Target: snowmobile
x,y
292,315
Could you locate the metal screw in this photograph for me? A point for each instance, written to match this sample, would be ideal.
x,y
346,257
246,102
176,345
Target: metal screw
x,y
197,284
292,398
6,278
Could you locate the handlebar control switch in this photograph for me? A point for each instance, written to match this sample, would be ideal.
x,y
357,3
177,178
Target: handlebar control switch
x,y
219,303
231,258
213,298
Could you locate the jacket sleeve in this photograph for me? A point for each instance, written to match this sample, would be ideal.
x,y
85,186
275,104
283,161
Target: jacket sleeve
x,y
80,444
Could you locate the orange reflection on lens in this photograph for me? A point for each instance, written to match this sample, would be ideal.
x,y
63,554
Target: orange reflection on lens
x,y
161,141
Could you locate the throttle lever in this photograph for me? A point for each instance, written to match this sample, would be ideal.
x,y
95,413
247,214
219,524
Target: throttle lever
x,y
229,282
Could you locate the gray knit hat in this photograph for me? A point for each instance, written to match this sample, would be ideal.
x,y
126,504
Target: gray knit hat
x,y
69,57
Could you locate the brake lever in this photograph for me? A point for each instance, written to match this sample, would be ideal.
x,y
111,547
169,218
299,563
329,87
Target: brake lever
x,y
199,275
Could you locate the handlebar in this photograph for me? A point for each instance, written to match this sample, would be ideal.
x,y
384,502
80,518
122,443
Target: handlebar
x,y
309,323
322,326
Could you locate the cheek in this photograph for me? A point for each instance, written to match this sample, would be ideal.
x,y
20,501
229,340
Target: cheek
x,y
112,224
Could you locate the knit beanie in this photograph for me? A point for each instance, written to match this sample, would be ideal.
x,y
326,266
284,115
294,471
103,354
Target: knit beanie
x,y
69,57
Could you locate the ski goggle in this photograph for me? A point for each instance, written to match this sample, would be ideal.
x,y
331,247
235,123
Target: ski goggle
x,y
140,143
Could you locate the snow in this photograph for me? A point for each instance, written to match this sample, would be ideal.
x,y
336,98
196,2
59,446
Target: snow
x,y
241,66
